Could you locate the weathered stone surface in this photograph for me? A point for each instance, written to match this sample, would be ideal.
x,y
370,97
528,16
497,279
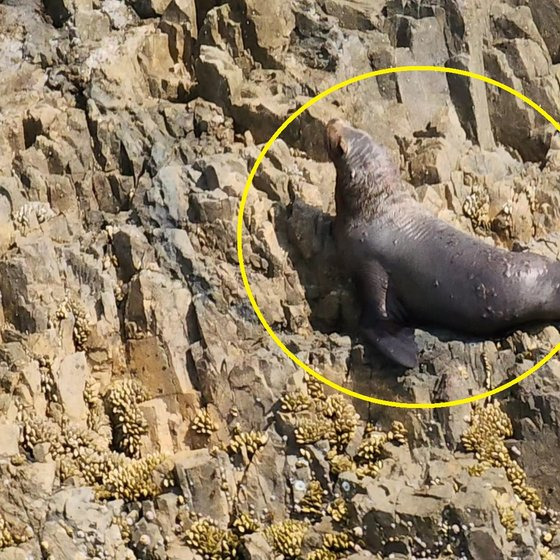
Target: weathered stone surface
x,y
545,14
198,474
269,24
73,372
219,78
128,130
9,439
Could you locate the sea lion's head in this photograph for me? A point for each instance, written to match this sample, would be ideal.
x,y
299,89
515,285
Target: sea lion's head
x,y
365,171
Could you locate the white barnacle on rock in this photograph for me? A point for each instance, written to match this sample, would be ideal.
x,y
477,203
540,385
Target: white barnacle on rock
x,y
31,214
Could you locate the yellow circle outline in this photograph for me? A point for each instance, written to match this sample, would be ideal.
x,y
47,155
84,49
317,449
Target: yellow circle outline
x,y
245,194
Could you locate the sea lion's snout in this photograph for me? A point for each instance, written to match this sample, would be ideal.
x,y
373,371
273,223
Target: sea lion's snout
x,y
335,140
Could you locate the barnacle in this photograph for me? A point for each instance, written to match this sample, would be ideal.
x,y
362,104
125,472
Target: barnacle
x,y
507,519
546,553
343,418
286,537
132,479
250,441
312,501
129,424
82,328
370,448
203,424
310,430
245,524
369,469
124,527
48,384
12,536
477,206
322,554
489,426
339,463
211,541
295,401
338,542
397,434
314,387
39,211
338,509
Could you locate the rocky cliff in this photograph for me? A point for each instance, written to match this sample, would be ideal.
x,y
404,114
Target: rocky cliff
x,y
144,411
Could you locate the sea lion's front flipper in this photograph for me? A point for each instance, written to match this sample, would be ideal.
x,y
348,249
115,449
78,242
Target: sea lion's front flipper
x,y
394,341
382,317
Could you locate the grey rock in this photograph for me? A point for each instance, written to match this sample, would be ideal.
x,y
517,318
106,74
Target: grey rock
x,y
195,471
544,16
256,547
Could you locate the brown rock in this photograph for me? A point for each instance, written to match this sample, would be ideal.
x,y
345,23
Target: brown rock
x,y
219,78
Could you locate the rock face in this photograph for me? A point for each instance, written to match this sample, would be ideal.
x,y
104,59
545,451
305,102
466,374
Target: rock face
x,y
144,412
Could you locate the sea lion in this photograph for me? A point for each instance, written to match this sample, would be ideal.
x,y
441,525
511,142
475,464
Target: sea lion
x,y
411,268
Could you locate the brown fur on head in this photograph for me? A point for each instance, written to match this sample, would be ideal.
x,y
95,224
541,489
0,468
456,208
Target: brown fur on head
x,y
365,172
335,143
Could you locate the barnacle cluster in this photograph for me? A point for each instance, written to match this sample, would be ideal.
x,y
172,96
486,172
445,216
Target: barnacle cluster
x,y
312,501
314,388
503,222
368,455
296,401
131,479
507,519
340,462
338,509
310,430
211,541
45,431
29,212
83,454
322,554
545,553
477,206
48,385
332,418
338,542
286,537
489,427
397,434
343,419
128,421
367,459
82,327
124,527
244,524
203,424
248,442
10,535
371,447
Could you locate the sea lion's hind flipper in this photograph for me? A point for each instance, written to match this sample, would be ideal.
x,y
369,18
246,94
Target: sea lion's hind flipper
x,y
394,341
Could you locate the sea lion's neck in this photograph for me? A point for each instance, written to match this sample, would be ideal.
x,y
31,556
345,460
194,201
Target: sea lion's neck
x,y
362,197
